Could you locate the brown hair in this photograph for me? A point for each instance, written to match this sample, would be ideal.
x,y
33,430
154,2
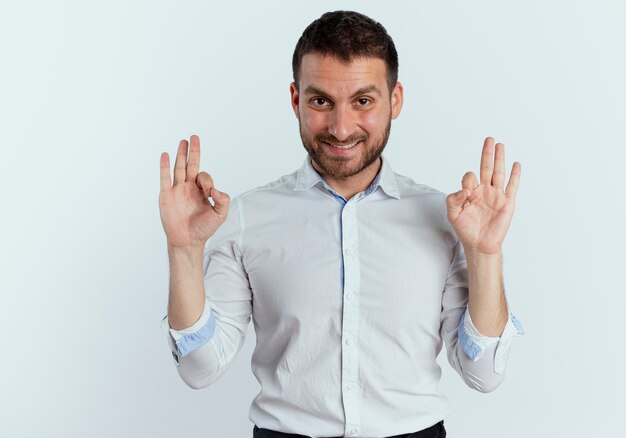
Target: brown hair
x,y
347,35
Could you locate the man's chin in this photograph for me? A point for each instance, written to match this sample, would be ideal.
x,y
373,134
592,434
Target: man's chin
x,y
343,169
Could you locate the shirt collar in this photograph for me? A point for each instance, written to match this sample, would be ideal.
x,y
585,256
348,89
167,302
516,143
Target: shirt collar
x,y
307,177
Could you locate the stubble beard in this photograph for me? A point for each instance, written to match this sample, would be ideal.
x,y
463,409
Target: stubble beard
x,y
337,167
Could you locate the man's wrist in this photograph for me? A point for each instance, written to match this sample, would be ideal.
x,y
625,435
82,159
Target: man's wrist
x,y
190,252
477,260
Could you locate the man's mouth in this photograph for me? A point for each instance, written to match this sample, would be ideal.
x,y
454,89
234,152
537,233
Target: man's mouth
x,y
343,146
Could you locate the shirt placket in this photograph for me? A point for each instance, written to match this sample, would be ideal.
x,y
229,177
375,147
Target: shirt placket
x,y
350,318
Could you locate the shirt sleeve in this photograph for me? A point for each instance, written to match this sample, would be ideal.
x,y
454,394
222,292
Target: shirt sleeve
x,y
480,360
203,351
184,341
474,344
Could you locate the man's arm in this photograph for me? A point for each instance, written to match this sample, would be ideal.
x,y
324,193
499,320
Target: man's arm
x,y
206,347
479,359
210,301
481,215
487,302
189,220
186,292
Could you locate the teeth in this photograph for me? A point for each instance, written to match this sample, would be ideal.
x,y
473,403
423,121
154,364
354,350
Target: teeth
x,y
348,146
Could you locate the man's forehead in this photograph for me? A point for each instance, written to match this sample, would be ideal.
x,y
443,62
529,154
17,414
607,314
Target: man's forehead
x,y
327,71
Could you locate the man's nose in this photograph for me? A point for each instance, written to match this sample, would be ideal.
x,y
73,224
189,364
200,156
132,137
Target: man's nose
x,y
341,123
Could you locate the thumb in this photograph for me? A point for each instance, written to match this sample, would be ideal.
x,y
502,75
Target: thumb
x,y
454,202
222,201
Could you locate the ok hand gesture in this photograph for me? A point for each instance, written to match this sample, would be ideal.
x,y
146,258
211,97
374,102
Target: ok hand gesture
x,y
188,218
481,213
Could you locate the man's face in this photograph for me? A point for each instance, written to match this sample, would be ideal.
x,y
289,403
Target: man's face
x,y
344,111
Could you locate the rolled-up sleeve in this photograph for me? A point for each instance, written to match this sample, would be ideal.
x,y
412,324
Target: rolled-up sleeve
x,y
474,344
480,360
203,351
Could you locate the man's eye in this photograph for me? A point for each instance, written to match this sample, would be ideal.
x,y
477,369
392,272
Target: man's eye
x,y
319,101
364,101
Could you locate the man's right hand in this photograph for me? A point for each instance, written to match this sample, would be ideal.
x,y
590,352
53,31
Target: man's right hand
x,y
188,218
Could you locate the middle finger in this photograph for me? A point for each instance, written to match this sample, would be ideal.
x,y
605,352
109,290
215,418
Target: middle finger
x,y
181,162
486,162
193,164
498,170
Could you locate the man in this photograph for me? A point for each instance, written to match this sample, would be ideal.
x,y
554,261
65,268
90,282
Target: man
x,y
353,275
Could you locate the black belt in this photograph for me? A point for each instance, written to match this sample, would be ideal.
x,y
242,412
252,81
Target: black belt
x,y
435,431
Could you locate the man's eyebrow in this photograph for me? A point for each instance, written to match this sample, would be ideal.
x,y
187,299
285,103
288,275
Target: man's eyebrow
x,y
312,89
367,89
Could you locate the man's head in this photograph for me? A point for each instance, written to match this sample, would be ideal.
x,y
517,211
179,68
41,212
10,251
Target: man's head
x,y
345,92
347,35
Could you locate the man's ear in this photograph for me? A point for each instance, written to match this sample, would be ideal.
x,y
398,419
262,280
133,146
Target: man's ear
x,y
397,97
295,99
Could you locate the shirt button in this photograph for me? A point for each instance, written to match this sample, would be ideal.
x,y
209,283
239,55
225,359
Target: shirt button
x,y
348,341
349,387
353,431
348,297
347,251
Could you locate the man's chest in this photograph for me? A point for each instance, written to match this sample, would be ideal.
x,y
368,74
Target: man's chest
x,y
314,265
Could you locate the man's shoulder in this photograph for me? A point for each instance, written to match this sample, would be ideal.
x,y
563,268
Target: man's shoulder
x,y
282,184
409,187
425,198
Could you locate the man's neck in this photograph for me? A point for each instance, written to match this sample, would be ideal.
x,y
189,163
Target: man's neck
x,y
350,186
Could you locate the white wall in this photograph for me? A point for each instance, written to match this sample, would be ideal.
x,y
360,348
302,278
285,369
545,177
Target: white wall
x,y
92,93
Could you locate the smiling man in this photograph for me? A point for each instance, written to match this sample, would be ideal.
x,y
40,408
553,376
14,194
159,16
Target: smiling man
x,y
345,113
353,275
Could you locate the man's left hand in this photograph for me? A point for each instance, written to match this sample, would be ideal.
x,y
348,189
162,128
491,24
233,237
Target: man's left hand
x,y
481,213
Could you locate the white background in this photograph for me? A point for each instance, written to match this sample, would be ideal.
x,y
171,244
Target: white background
x,y
92,93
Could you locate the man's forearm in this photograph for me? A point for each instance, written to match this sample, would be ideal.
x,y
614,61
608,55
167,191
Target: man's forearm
x,y
487,302
186,295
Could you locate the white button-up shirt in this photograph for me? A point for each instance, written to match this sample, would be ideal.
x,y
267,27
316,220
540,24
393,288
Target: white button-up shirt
x,y
351,303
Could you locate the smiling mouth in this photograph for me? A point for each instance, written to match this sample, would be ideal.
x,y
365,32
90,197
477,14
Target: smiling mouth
x,y
343,146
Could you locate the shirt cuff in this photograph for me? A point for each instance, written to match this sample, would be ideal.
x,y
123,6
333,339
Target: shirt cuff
x,y
191,338
474,343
